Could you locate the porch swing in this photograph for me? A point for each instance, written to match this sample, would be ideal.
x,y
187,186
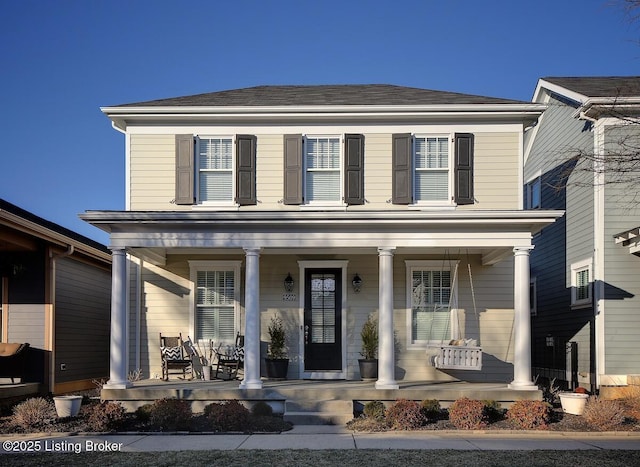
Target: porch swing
x,y
458,354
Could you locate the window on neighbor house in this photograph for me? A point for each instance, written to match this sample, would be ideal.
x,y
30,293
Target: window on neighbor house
x,y
216,170
533,303
581,289
430,295
216,300
432,169
323,169
534,194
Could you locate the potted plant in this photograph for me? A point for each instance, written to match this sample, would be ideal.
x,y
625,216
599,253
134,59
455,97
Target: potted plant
x,y
369,363
276,363
574,402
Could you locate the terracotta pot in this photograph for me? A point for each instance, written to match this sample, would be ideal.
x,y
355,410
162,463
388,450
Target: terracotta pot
x,y
573,402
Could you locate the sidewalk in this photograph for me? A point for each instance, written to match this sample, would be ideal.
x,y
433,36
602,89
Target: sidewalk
x,y
322,437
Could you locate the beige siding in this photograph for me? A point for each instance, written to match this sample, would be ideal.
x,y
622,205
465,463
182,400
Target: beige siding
x,y
152,171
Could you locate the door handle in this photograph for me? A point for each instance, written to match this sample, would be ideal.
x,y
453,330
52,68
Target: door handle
x,y
306,334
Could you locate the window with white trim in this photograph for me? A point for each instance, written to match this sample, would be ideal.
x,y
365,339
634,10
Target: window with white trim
x,y
430,295
215,169
534,194
581,290
216,300
323,169
431,168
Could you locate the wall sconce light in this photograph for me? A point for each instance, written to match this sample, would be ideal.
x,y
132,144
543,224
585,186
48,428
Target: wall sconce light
x,y
288,283
357,283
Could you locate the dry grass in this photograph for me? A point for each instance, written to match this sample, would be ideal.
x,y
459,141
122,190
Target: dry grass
x,y
321,458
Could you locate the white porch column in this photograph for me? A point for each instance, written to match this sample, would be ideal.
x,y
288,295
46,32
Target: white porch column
x,y
386,360
119,346
522,319
252,321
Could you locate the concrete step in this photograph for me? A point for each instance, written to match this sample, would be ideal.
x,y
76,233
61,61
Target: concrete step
x,y
316,412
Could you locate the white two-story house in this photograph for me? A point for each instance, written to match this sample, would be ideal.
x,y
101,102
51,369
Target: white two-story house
x,y
416,193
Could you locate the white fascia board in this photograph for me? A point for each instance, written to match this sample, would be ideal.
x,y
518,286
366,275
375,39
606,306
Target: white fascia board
x,y
569,94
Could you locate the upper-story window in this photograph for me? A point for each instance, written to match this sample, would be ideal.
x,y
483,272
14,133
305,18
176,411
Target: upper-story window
x,y
323,169
216,170
533,193
432,169
431,162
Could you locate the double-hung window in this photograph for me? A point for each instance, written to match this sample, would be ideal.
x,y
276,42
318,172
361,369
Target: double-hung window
x,y
432,169
215,300
581,279
430,296
432,175
323,169
215,169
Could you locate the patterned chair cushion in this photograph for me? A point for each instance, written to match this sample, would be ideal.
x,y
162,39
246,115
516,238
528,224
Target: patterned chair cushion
x,y
172,353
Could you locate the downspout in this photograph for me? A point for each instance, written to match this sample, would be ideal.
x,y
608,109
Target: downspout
x,y
52,315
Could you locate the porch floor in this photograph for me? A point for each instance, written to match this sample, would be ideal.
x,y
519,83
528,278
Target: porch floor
x,y
278,392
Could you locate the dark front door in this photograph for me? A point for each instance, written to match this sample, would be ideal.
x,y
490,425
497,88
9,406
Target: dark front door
x,y
323,319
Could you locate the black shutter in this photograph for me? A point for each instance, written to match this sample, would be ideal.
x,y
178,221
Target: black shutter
x,y
464,168
184,169
292,169
246,173
354,169
402,174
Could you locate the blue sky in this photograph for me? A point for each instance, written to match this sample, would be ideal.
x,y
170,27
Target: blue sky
x,y
61,60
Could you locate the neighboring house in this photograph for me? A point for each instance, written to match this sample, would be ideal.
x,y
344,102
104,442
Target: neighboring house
x,y
418,193
55,291
586,295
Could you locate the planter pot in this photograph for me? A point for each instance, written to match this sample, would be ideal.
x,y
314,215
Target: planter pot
x,y
206,373
67,406
276,367
573,403
368,369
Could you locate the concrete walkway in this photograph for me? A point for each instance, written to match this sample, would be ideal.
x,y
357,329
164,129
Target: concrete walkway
x,y
322,437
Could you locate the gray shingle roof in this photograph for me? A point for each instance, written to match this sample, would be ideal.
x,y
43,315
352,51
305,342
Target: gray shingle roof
x,y
345,94
600,86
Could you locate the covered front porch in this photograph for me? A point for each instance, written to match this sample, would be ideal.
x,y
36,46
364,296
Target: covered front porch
x,y
157,256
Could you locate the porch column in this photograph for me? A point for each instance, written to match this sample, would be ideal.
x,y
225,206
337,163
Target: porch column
x,y
386,360
118,351
252,321
522,320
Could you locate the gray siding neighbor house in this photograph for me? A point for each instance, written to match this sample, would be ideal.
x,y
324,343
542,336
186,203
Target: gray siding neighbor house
x,y
55,294
382,200
584,269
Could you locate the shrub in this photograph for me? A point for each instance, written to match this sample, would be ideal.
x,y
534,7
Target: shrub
x,y
106,416
171,414
431,409
262,409
468,414
374,409
529,415
36,411
143,413
405,415
603,414
493,410
228,416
